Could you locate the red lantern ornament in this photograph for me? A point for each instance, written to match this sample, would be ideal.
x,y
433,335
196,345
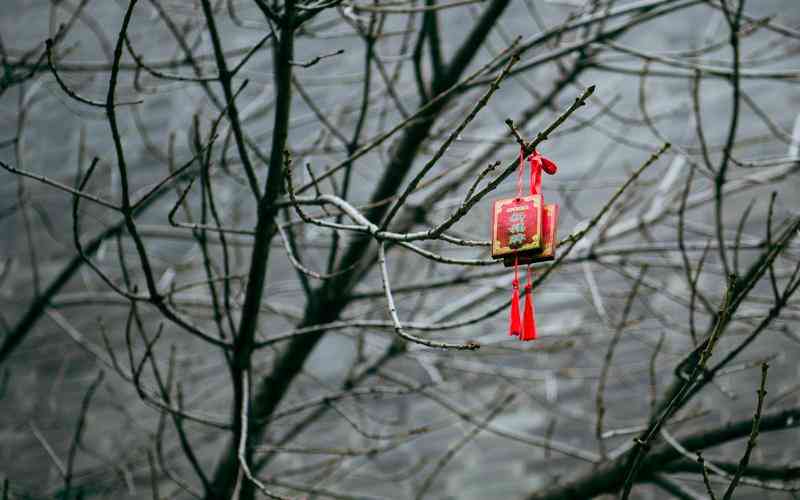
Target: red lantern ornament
x,y
524,232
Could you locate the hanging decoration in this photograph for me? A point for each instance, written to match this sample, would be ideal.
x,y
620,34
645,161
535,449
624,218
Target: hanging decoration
x,y
524,232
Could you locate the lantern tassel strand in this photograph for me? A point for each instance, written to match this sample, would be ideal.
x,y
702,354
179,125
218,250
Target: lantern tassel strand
x,y
529,322
514,324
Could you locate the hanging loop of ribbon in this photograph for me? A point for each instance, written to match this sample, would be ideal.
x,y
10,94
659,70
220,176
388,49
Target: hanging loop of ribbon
x,y
537,163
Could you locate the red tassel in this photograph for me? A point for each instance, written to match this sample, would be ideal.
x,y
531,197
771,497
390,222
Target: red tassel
x,y
529,323
514,324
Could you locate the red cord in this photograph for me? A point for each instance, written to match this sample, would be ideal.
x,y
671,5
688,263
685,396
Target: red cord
x,y
519,173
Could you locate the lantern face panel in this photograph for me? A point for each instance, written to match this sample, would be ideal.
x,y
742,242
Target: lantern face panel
x,y
549,240
516,225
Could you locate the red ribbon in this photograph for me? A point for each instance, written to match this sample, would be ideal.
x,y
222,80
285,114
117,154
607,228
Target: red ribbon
x,y
537,162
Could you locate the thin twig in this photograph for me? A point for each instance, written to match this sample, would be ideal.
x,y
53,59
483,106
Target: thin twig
x,y
751,441
398,327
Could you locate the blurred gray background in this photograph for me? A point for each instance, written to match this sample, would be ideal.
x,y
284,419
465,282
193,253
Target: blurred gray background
x,y
48,375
